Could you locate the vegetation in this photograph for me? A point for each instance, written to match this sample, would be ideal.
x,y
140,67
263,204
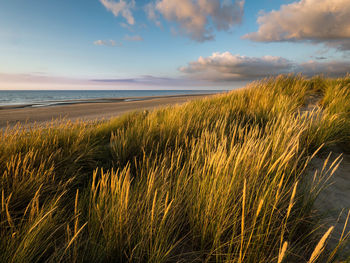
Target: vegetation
x,y
222,179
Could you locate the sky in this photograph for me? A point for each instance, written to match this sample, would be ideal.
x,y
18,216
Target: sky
x,y
169,44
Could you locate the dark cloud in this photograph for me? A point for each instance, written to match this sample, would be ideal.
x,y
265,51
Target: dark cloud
x,y
320,58
229,67
331,68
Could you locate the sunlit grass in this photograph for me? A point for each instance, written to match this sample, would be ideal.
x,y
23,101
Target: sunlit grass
x,y
221,179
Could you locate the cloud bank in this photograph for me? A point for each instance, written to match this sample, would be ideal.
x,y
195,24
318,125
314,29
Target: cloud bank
x,y
122,8
330,68
198,18
47,82
229,67
317,21
152,81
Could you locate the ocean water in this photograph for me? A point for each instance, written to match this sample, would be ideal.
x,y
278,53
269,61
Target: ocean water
x,y
36,98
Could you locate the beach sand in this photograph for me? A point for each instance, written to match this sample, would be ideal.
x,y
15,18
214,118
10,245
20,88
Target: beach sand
x,y
86,110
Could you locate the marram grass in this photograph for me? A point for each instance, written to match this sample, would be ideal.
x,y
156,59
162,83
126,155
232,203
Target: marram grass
x,y
222,179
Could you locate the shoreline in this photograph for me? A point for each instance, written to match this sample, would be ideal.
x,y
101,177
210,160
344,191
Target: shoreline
x,y
52,103
87,109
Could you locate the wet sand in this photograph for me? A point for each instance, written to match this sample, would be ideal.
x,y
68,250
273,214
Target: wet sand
x,y
86,110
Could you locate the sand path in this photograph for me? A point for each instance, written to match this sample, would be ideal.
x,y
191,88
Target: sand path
x,y
333,202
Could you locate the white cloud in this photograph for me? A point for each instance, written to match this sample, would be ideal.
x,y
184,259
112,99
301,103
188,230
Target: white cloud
x,y
228,67
122,8
135,38
317,21
109,43
198,18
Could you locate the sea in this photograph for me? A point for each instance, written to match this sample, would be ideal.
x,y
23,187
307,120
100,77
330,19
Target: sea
x,y
41,98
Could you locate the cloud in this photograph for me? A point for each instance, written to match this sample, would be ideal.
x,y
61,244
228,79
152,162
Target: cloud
x,y
41,81
151,13
152,81
122,7
113,43
331,68
321,58
229,67
47,82
108,43
198,18
127,26
316,21
135,38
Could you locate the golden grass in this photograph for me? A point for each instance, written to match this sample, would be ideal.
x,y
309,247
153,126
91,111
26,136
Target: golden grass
x,y
320,246
221,179
282,252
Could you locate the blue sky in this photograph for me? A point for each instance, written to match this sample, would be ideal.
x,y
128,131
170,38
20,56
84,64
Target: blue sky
x,y
92,44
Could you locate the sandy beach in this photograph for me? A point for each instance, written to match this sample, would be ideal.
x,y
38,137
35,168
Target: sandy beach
x,y
86,110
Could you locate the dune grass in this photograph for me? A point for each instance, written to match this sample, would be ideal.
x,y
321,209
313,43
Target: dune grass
x,y
221,179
